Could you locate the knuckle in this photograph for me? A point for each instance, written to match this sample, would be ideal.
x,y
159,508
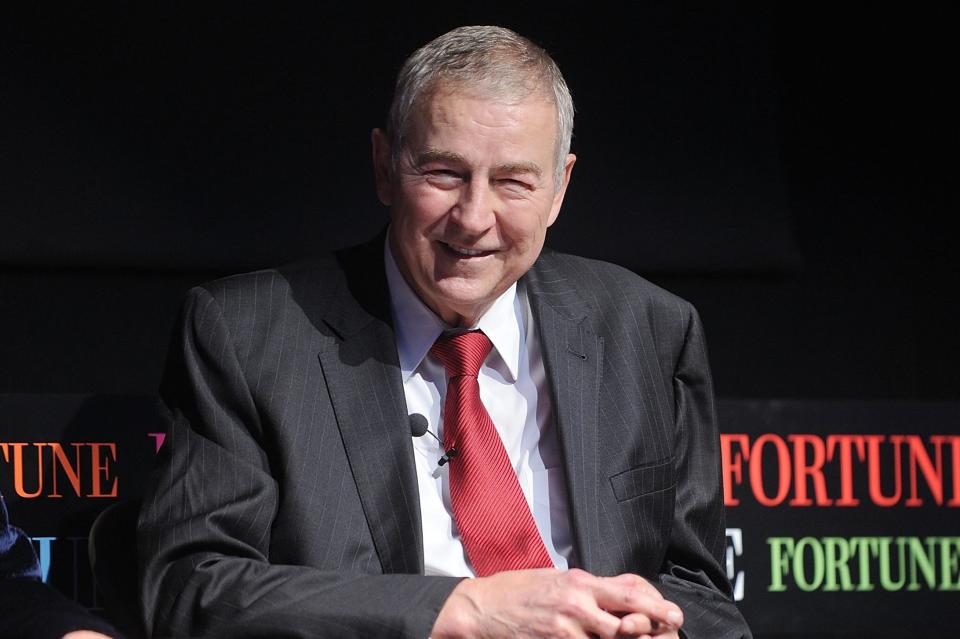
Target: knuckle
x,y
631,599
632,579
640,623
572,606
578,577
559,628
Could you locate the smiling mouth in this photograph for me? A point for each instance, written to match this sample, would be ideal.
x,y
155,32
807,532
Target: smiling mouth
x,y
462,252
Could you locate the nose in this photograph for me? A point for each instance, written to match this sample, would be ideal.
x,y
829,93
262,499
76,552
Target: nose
x,y
474,211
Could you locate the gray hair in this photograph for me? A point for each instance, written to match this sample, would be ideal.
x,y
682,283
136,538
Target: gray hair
x,y
490,60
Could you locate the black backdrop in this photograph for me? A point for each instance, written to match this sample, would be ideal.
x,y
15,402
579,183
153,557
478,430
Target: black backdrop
x,y
786,169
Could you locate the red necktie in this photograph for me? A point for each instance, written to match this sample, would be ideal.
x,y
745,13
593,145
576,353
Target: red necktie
x,y
496,526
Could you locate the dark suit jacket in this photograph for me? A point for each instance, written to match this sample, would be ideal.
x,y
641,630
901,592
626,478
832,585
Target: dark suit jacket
x,y
285,502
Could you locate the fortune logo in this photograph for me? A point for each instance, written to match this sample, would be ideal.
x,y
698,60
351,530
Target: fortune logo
x,y
51,469
864,563
815,470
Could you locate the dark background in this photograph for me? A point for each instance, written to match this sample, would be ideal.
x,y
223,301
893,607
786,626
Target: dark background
x,y
784,169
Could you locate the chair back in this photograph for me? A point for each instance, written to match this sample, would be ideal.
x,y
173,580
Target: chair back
x,y
113,559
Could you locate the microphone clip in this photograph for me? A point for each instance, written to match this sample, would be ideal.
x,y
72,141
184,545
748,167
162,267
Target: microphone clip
x,y
418,428
447,456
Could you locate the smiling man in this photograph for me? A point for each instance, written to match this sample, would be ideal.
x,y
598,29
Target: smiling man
x,y
570,485
472,193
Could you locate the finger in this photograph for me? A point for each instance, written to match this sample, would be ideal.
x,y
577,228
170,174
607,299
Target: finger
x,y
600,624
593,621
635,625
615,597
636,581
638,625
673,634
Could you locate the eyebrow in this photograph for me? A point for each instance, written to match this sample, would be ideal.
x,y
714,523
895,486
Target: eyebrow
x,y
520,167
437,155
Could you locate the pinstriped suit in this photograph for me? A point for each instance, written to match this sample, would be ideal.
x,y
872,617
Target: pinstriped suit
x,y
285,501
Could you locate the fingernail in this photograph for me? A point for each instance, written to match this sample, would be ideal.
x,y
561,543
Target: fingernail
x,y
675,617
628,626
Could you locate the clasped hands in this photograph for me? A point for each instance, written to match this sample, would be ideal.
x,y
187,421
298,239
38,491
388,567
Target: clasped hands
x,y
554,603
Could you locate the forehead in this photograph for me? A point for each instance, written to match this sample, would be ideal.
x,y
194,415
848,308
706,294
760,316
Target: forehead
x,y
476,122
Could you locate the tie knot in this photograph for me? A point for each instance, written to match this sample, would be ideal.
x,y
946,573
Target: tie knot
x,y
463,353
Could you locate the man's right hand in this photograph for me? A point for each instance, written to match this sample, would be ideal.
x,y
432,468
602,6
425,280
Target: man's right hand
x,y
554,603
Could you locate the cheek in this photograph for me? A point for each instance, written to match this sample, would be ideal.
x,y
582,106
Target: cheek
x,y
426,205
525,229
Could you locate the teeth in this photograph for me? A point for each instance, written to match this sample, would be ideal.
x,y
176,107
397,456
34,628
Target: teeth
x,y
463,251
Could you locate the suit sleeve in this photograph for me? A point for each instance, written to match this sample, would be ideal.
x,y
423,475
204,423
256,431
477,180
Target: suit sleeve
x,y
692,576
205,525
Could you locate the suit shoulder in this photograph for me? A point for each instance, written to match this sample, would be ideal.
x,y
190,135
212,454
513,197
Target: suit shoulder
x,y
609,285
322,271
616,303
319,269
248,304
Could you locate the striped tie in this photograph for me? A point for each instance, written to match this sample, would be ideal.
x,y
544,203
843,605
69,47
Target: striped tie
x,y
495,523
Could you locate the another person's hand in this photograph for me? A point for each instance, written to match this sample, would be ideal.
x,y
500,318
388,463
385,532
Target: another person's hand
x,y
554,603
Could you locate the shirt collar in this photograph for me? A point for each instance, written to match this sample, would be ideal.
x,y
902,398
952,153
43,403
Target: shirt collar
x,y
417,327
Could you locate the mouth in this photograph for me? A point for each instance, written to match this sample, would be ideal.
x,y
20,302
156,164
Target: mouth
x,y
462,252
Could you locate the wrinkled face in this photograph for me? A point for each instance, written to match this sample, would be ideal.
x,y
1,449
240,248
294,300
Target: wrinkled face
x,y
471,198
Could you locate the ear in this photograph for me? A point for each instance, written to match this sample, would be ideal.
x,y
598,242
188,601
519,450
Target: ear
x,y
382,168
565,181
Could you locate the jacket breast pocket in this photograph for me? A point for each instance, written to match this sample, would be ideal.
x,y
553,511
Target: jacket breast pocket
x,y
643,480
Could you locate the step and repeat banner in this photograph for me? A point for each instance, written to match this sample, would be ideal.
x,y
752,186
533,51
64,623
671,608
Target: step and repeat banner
x,y
843,518
63,459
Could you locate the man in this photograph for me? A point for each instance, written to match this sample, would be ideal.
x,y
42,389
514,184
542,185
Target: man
x,y
572,486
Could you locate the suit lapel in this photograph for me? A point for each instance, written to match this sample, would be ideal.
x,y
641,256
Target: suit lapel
x,y
573,360
363,379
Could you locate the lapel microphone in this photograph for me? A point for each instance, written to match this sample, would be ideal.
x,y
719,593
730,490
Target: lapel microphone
x,y
418,428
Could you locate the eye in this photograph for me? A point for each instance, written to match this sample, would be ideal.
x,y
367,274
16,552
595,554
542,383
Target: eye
x,y
515,186
443,178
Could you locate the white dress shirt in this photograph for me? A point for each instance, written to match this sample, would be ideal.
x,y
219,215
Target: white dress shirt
x,y
513,389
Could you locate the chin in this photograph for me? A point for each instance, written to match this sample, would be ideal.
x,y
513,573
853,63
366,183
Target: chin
x,y
464,300
465,291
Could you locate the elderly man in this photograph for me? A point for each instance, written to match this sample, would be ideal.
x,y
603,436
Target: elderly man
x,y
444,432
